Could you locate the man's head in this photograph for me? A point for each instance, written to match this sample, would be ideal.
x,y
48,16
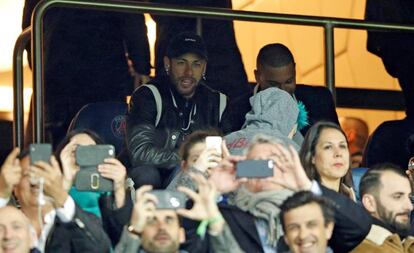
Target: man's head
x,y
162,233
275,67
15,234
307,222
185,62
385,192
262,147
357,133
193,145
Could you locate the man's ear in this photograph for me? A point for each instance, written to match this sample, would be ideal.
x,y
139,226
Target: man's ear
x,y
329,230
368,201
181,235
167,63
351,135
256,76
183,165
285,239
205,68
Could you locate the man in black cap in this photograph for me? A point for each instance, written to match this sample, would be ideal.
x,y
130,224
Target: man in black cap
x,y
172,106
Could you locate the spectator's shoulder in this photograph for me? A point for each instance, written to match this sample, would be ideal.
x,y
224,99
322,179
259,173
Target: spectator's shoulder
x,y
303,90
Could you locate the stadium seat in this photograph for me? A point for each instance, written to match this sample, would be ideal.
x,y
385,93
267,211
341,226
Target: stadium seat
x,y
357,174
107,119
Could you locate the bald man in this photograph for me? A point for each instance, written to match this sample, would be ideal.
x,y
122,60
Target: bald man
x,y
15,231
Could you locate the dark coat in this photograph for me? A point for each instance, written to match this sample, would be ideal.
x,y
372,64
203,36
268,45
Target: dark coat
x,y
83,234
390,143
84,57
317,100
394,48
152,145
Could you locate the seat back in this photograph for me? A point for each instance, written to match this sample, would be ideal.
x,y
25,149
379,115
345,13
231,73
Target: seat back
x,y
107,119
357,174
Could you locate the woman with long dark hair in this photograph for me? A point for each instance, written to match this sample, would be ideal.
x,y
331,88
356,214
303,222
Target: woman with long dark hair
x,y
326,159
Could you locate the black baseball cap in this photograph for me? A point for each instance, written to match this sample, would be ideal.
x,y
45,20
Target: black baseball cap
x,y
184,43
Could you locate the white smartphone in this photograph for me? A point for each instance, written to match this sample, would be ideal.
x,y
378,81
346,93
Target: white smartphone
x,y
214,142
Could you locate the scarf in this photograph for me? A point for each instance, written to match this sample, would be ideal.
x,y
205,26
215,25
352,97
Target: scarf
x,y
264,205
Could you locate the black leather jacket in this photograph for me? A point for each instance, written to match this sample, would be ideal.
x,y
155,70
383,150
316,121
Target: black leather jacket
x,y
157,145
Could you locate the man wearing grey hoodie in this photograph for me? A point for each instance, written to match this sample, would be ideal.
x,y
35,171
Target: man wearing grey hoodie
x,y
274,113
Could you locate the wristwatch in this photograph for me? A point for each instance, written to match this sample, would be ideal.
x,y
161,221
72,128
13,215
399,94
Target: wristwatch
x,y
131,229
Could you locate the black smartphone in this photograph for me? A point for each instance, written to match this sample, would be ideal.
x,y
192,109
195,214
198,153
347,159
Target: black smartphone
x,y
254,169
88,158
40,152
169,199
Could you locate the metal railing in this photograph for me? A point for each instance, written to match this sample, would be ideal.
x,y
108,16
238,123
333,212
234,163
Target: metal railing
x,y
18,108
329,24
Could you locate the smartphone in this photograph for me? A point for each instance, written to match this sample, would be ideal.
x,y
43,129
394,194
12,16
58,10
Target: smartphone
x,y
88,158
40,152
169,199
93,155
214,142
254,168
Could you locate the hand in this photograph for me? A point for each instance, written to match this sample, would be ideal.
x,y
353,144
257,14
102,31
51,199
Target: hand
x,y
225,151
69,166
205,205
224,175
115,170
53,180
209,158
10,174
289,171
144,208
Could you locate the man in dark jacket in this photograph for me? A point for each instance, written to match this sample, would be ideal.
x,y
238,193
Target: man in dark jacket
x,y
394,48
226,70
275,67
59,224
159,120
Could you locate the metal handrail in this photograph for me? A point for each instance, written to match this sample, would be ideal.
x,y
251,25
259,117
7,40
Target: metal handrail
x,y
18,106
201,12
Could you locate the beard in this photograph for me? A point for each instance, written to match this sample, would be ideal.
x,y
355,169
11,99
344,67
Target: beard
x,y
152,246
390,219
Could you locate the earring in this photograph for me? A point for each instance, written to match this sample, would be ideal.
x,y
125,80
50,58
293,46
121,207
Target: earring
x,y
204,76
167,69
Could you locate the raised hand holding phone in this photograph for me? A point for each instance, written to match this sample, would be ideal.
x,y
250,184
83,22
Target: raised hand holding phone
x,y
10,174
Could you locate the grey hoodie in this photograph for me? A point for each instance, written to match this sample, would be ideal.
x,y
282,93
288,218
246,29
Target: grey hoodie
x,y
274,112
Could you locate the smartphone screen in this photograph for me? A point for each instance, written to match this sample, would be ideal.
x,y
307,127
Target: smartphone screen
x,y
214,142
254,168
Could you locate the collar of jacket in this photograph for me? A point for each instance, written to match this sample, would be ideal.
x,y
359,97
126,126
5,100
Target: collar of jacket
x,y
379,223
